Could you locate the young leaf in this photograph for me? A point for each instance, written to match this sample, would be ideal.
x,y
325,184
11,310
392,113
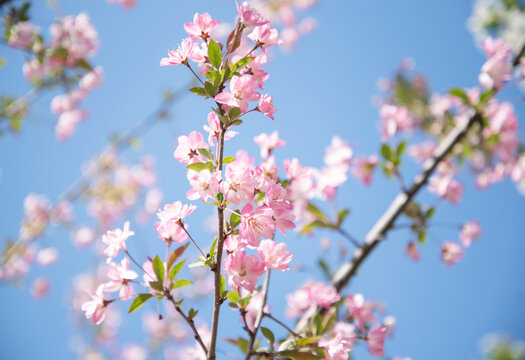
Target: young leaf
x,y
158,267
268,335
177,253
243,62
228,159
214,54
139,301
401,148
199,91
386,152
317,212
235,220
206,153
197,166
192,313
223,285
233,296
180,283
210,89
460,94
234,113
176,269
156,285
341,216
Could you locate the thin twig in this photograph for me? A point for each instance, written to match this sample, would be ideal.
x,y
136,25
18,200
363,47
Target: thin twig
x,y
260,313
269,316
180,223
349,237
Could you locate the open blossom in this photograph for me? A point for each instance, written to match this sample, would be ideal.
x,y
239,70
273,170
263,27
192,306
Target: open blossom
x,y
340,341
249,16
268,143
337,153
175,212
186,50
243,271
376,340
469,231
203,184
23,34
412,251
234,243
242,90
451,253
238,185
363,168
92,79
213,129
67,123
395,119
171,232
311,293
361,310
201,27
96,308
256,223
264,36
186,151
447,187
83,236
498,68
116,240
323,295
77,35
266,106
47,256
274,255
283,215
120,276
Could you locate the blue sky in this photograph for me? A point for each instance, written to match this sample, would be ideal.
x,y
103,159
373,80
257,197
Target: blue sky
x,y
323,88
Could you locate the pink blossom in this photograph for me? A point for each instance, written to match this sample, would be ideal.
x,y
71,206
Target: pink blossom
x,y
252,309
268,143
120,276
47,256
395,119
234,243
498,68
256,223
67,122
242,90
23,34
283,215
451,253
180,55
175,212
39,287
266,106
186,151
423,151
364,167
243,271
298,302
238,185
96,308
214,129
447,187
203,184
323,295
201,27
77,35
249,16
376,340
92,79
274,255
469,231
361,310
171,232
337,153
340,341
116,240
264,36
83,236
412,251
133,351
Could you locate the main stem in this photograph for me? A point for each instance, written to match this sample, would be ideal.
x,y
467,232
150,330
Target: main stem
x,y
217,266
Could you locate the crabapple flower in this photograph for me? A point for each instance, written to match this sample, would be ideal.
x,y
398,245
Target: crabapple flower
x,y
249,16
363,168
323,295
376,340
498,68
283,215
242,90
264,36
243,271
175,212
92,79
47,256
214,129
395,119
268,143
412,251
337,153
234,243
77,35
96,308
67,123
451,253
116,240
238,185
23,34
266,106
422,152
186,50
360,310
83,236
203,184
39,287
469,231
341,341
170,232
186,151
120,276
446,187
201,27
256,223
274,255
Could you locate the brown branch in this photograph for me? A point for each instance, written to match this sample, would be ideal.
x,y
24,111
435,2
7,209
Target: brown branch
x,y
260,314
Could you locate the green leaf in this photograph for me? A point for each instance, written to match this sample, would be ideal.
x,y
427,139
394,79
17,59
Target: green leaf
x,y
199,91
421,237
206,153
268,335
297,354
233,296
139,301
325,269
486,96
401,148
341,216
156,285
386,152
176,269
240,342
158,267
430,212
317,212
234,113
192,313
307,341
288,344
236,122
235,220
208,165
180,283
222,285
2,62
245,301
210,89
197,166
243,62
81,63
460,94
177,253
214,54
228,160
